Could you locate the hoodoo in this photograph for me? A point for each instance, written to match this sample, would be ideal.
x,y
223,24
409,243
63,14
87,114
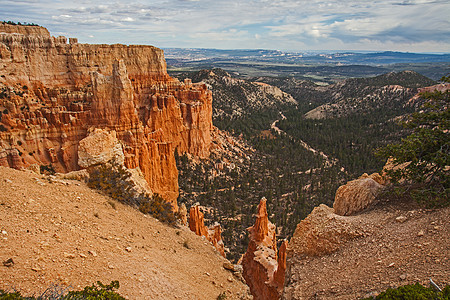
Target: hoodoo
x,y
263,270
212,234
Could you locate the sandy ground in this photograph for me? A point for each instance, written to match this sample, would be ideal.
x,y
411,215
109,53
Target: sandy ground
x,y
401,245
64,233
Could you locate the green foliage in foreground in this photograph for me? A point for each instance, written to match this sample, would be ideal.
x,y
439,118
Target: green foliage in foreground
x,y
413,292
100,292
94,292
114,180
425,154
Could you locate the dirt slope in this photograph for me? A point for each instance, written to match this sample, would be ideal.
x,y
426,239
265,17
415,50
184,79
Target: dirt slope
x,y
401,244
62,232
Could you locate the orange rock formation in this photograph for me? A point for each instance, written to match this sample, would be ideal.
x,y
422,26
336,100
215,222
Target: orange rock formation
x,y
278,276
260,263
322,232
212,234
357,194
53,92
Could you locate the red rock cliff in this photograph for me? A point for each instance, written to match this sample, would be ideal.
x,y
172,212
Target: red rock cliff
x,y
260,262
52,92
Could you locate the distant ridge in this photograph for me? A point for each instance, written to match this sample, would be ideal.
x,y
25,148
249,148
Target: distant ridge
x,y
325,66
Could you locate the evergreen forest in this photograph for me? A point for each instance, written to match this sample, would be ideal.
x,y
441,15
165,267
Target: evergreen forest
x,y
294,179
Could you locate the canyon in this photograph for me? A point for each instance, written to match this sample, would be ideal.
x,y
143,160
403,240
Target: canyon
x,y
54,92
66,107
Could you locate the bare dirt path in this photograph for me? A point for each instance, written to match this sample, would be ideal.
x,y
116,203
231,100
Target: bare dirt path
x,y
329,161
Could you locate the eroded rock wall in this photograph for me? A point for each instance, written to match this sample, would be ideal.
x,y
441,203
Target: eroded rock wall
x,y
52,92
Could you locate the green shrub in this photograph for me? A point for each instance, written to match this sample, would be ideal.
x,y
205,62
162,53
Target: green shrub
x,y
94,292
13,296
222,296
158,208
413,292
47,169
115,181
100,292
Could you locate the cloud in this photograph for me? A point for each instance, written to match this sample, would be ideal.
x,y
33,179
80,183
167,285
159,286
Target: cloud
x,y
284,24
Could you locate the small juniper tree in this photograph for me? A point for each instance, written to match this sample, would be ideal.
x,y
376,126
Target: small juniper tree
x,y
425,152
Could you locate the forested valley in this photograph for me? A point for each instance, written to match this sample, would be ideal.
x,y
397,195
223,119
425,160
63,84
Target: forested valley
x,y
299,162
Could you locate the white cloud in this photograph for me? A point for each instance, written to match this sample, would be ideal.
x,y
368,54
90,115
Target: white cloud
x,y
254,23
127,19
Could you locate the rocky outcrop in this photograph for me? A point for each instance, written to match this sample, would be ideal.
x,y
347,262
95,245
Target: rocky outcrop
x,y
25,30
326,230
212,234
260,262
100,147
53,93
357,256
322,232
357,194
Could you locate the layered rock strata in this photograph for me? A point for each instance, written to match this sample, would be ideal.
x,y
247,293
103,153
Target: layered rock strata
x,y
263,270
212,234
52,93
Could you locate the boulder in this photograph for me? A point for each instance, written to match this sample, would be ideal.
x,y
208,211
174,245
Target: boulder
x,y
358,194
100,147
321,233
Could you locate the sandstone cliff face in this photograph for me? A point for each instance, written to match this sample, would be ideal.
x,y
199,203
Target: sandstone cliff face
x,y
260,263
53,92
26,30
212,234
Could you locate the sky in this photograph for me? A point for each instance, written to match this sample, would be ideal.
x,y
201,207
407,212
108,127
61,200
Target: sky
x,y
287,25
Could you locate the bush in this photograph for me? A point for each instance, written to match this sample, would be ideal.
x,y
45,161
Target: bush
x,y
159,208
222,296
94,292
115,181
413,292
47,169
100,292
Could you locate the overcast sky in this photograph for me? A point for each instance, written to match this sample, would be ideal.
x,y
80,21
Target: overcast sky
x,y
402,25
